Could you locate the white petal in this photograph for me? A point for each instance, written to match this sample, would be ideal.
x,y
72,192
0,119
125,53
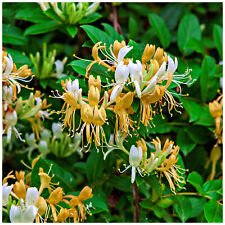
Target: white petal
x,y
161,71
121,73
29,214
122,53
133,174
59,67
138,89
32,195
134,159
5,193
151,86
15,214
140,153
116,92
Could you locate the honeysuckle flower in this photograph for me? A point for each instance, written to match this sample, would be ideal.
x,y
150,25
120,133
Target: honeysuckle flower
x,y
11,75
116,56
10,122
23,214
59,68
71,103
136,75
93,116
122,109
135,158
216,110
5,193
86,193
164,160
121,75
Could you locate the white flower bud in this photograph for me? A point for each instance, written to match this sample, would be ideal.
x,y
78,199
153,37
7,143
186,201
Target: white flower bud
x,y
135,156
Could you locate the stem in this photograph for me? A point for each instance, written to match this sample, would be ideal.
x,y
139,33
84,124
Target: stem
x,y
190,193
136,202
115,21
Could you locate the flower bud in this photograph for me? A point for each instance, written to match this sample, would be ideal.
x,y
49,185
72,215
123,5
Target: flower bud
x,y
63,215
19,189
117,46
45,180
93,96
85,194
20,175
135,156
41,205
56,196
94,82
148,53
11,118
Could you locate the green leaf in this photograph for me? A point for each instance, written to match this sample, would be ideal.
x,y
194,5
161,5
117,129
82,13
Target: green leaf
x,y
94,165
133,28
209,83
218,38
147,204
220,191
160,28
34,15
98,204
188,28
90,18
185,143
122,183
112,32
136,52
211,187
18,58
13,35
96,35
197,206
41,28
80,67
213,212
195,45
165,203
196,180
183,207
72,30
62,176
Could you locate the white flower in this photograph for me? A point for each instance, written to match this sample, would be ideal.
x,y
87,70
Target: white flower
x,y
21,214
25,213
136,75
5,193
121,75
32,196
135,157
59,68
73,87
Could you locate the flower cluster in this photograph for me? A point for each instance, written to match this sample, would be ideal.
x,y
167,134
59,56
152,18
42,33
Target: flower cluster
x,y
33,109
146,80
69,12
25,203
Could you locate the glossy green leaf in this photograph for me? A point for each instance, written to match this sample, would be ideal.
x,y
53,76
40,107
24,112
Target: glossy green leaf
x,y
213,212
218,38
41,28
72,30
196,180
90,18
160,28
195,45
183,208
133,28
188,28
112,32
208,81
13,35
211,187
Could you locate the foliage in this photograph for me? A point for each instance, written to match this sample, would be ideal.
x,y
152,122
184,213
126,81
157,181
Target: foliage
x,y
192,32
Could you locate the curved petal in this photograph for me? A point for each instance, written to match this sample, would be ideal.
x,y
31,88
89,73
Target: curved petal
x,y
138,89
15,214
116,92
32,195
122,53
133,174
161,71
29,214
121,73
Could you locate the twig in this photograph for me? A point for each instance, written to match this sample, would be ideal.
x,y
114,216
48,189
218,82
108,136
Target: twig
x,y
136,202
190,193
115,21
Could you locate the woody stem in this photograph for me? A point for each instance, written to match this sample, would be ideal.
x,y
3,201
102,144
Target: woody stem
x,y
136,202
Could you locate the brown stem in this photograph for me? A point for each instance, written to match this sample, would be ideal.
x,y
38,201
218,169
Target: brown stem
x,y
115,21
136,202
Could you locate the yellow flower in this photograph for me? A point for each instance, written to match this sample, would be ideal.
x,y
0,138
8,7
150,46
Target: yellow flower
x,y
122,109
56,196
63,215
93,116
19,189
41,205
